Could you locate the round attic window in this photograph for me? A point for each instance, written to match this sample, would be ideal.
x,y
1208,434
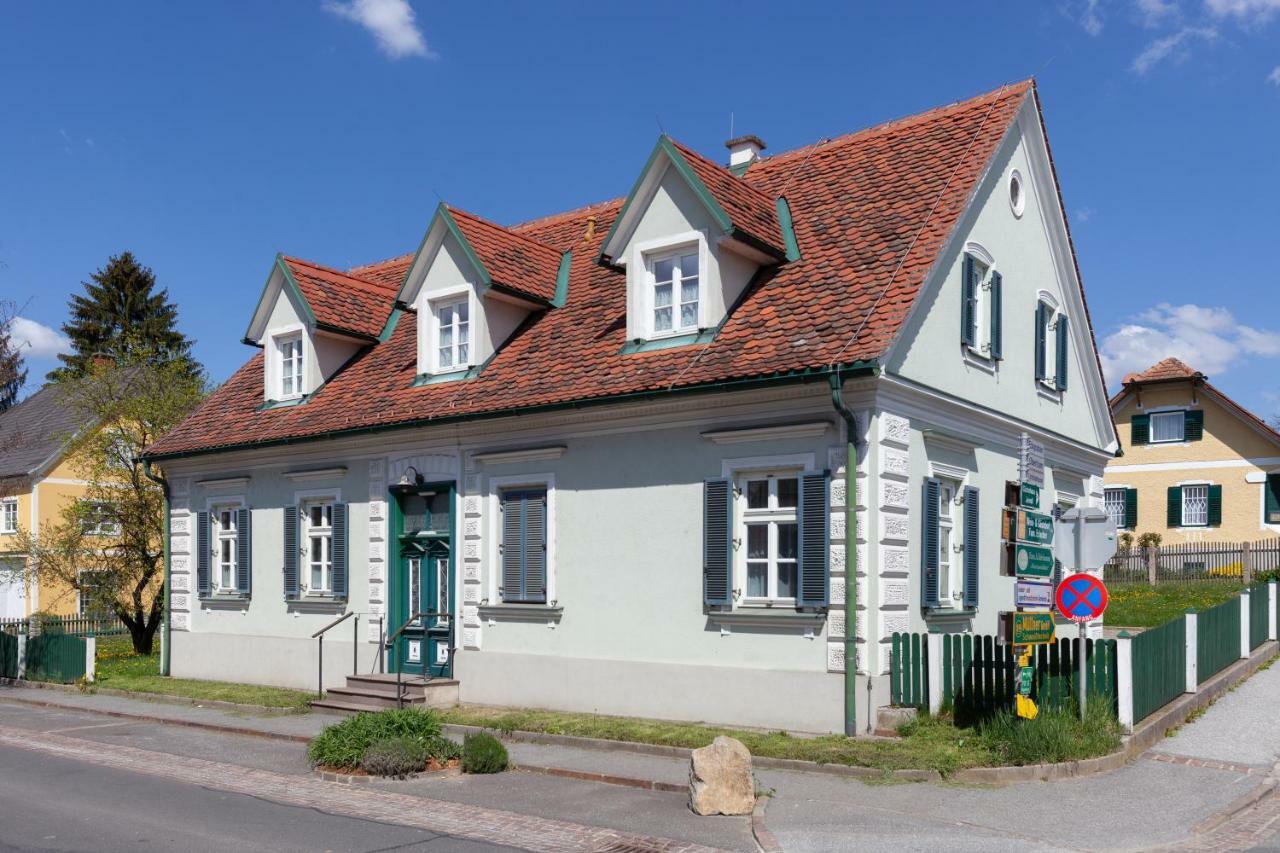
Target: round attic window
x,y
1017,197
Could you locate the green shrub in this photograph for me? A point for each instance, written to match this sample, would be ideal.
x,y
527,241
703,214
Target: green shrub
x,y
483,753
397,757
1054,735
343,744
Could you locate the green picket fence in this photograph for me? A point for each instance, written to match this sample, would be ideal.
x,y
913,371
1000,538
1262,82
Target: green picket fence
x,y
55,657
909,673
1217,638
1159,666
1259,614
8,655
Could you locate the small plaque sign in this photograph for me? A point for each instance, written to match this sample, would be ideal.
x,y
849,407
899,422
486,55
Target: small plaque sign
x,y
1033,561
1036,595
1035,527
1032,628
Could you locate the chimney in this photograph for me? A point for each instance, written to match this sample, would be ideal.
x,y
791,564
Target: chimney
x,y
744,150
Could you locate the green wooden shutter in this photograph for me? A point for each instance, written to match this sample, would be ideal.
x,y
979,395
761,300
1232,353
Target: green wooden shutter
x,y
291,586
1174,515
815,532
244,551
717,543
929,544
1193,425
1140,430
1272,500
203,525
535,546
339,550
969,303
1215,506
1060,376
997,316
1041,355
1131,509
972,540
512,546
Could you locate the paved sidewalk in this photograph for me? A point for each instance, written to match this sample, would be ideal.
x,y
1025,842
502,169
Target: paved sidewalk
x,y
1243,726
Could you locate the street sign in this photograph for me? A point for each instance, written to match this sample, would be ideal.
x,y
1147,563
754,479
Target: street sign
x,y
1034,561
1035,527
1025,708
1082,598
1085,538
1025,676
1033,594
1029,496
1032,628
1031,461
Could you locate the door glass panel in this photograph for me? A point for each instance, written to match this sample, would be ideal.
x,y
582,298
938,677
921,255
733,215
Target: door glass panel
x,y
415,586
442,589
415,513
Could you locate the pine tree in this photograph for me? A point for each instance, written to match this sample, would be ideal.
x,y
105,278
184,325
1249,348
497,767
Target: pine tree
x,y
12,373
120,314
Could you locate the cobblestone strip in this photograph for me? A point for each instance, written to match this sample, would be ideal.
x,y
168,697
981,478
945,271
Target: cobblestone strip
x,y
541,835
1244,769
1247,830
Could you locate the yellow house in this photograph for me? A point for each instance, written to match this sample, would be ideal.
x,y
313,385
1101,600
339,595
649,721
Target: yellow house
x,y
1197,466
37,481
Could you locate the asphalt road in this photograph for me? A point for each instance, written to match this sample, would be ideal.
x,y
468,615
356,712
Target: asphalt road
x,y
54,804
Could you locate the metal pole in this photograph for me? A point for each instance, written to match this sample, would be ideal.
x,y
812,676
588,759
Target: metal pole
x,y
382,645
320,675
1082,676
355,645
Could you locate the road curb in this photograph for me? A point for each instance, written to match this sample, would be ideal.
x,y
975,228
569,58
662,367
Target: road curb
x,y
764,838
159,698
1233,808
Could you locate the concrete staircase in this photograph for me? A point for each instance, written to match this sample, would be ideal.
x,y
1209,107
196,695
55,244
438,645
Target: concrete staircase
x,y
378,691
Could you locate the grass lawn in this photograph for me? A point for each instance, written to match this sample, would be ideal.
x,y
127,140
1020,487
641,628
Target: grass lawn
x,y
927,744
1143,606
120,669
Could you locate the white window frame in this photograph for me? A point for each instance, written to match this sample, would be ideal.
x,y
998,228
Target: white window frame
x,y
1050,381
1262,505
981,349
8,515
281,338
304,501
434,303
770,518
737,470
1182,419
80,610
493,500
1203,486
101,528
951,592
219,537
640,280
678,276
1107,492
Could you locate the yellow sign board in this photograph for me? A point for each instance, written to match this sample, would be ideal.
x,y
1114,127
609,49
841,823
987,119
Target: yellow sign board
x,y
1032,628
1025,708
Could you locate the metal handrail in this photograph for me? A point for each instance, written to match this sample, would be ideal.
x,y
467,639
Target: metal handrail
x,y
318,636
414,617
343,618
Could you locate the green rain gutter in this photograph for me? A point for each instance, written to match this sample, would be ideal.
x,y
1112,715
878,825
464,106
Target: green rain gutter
x,y
850,558
164,625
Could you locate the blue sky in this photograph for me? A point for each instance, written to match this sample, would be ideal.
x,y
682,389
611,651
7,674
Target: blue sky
x,y
207,137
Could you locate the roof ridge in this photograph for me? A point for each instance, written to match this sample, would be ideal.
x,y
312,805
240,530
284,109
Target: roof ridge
x,y
567,214
468,214
378,289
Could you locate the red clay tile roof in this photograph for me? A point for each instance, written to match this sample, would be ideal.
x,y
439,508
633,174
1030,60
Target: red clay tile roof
x,y
1174,370
341,301
1164,371
389,273
872,211
749,208
514,261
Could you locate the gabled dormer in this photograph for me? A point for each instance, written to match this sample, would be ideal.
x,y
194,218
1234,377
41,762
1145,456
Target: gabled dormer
x,y
309,321
472,283
691,237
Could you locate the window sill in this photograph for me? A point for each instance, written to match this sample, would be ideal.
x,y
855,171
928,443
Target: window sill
x,y
522,612
1048,392
757,615
284,404
945,615
468,372
315,603
980,360
225,601
703,336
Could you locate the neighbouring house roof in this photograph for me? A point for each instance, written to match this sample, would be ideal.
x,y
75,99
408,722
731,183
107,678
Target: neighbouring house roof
x,y
1172,370
871,212
342,302
35,432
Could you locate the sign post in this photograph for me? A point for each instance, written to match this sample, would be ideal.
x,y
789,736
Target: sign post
x,y
1082,599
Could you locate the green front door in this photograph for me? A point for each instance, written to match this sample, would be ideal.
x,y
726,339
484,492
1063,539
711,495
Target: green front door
x,y
422,589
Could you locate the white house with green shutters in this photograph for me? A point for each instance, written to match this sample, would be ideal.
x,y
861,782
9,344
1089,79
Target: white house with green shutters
x,y
696,454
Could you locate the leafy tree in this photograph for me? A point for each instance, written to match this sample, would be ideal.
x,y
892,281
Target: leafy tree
x,y
121,315
116,529
12,372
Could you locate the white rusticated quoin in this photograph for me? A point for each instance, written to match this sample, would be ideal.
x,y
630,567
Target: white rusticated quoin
x,y
1244,624
1124,680
934,642
1193,674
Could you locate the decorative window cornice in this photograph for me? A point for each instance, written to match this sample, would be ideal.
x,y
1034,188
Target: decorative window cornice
x,y
532,454
224,482
316,474
807,429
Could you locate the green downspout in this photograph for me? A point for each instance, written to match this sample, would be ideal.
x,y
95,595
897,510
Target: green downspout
x,y
850,558
164,625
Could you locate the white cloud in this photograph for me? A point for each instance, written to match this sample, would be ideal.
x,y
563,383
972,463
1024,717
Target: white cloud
x,y
1274,76
1207,338
1090,19
1247,12
1171,45
1084,214
391,22
1156,12
36,339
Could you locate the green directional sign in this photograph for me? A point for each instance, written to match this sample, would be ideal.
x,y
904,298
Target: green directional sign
x,y
1025,676
1029,496
1034,561
1035,527
1032,628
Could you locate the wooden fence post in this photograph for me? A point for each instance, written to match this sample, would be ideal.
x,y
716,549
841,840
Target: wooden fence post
x,y
1271,611
934,642
1193,673
1244,624
1124,680
1246,562
1153,560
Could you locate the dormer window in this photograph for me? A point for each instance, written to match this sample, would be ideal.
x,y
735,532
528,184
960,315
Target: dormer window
x,y
452,345
676,291
290,362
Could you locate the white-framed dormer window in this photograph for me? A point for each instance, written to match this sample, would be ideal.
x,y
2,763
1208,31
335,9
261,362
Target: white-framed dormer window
x,y
451,334
317,521
1168,427
225,548
290,366
9,515
675,290
769,526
